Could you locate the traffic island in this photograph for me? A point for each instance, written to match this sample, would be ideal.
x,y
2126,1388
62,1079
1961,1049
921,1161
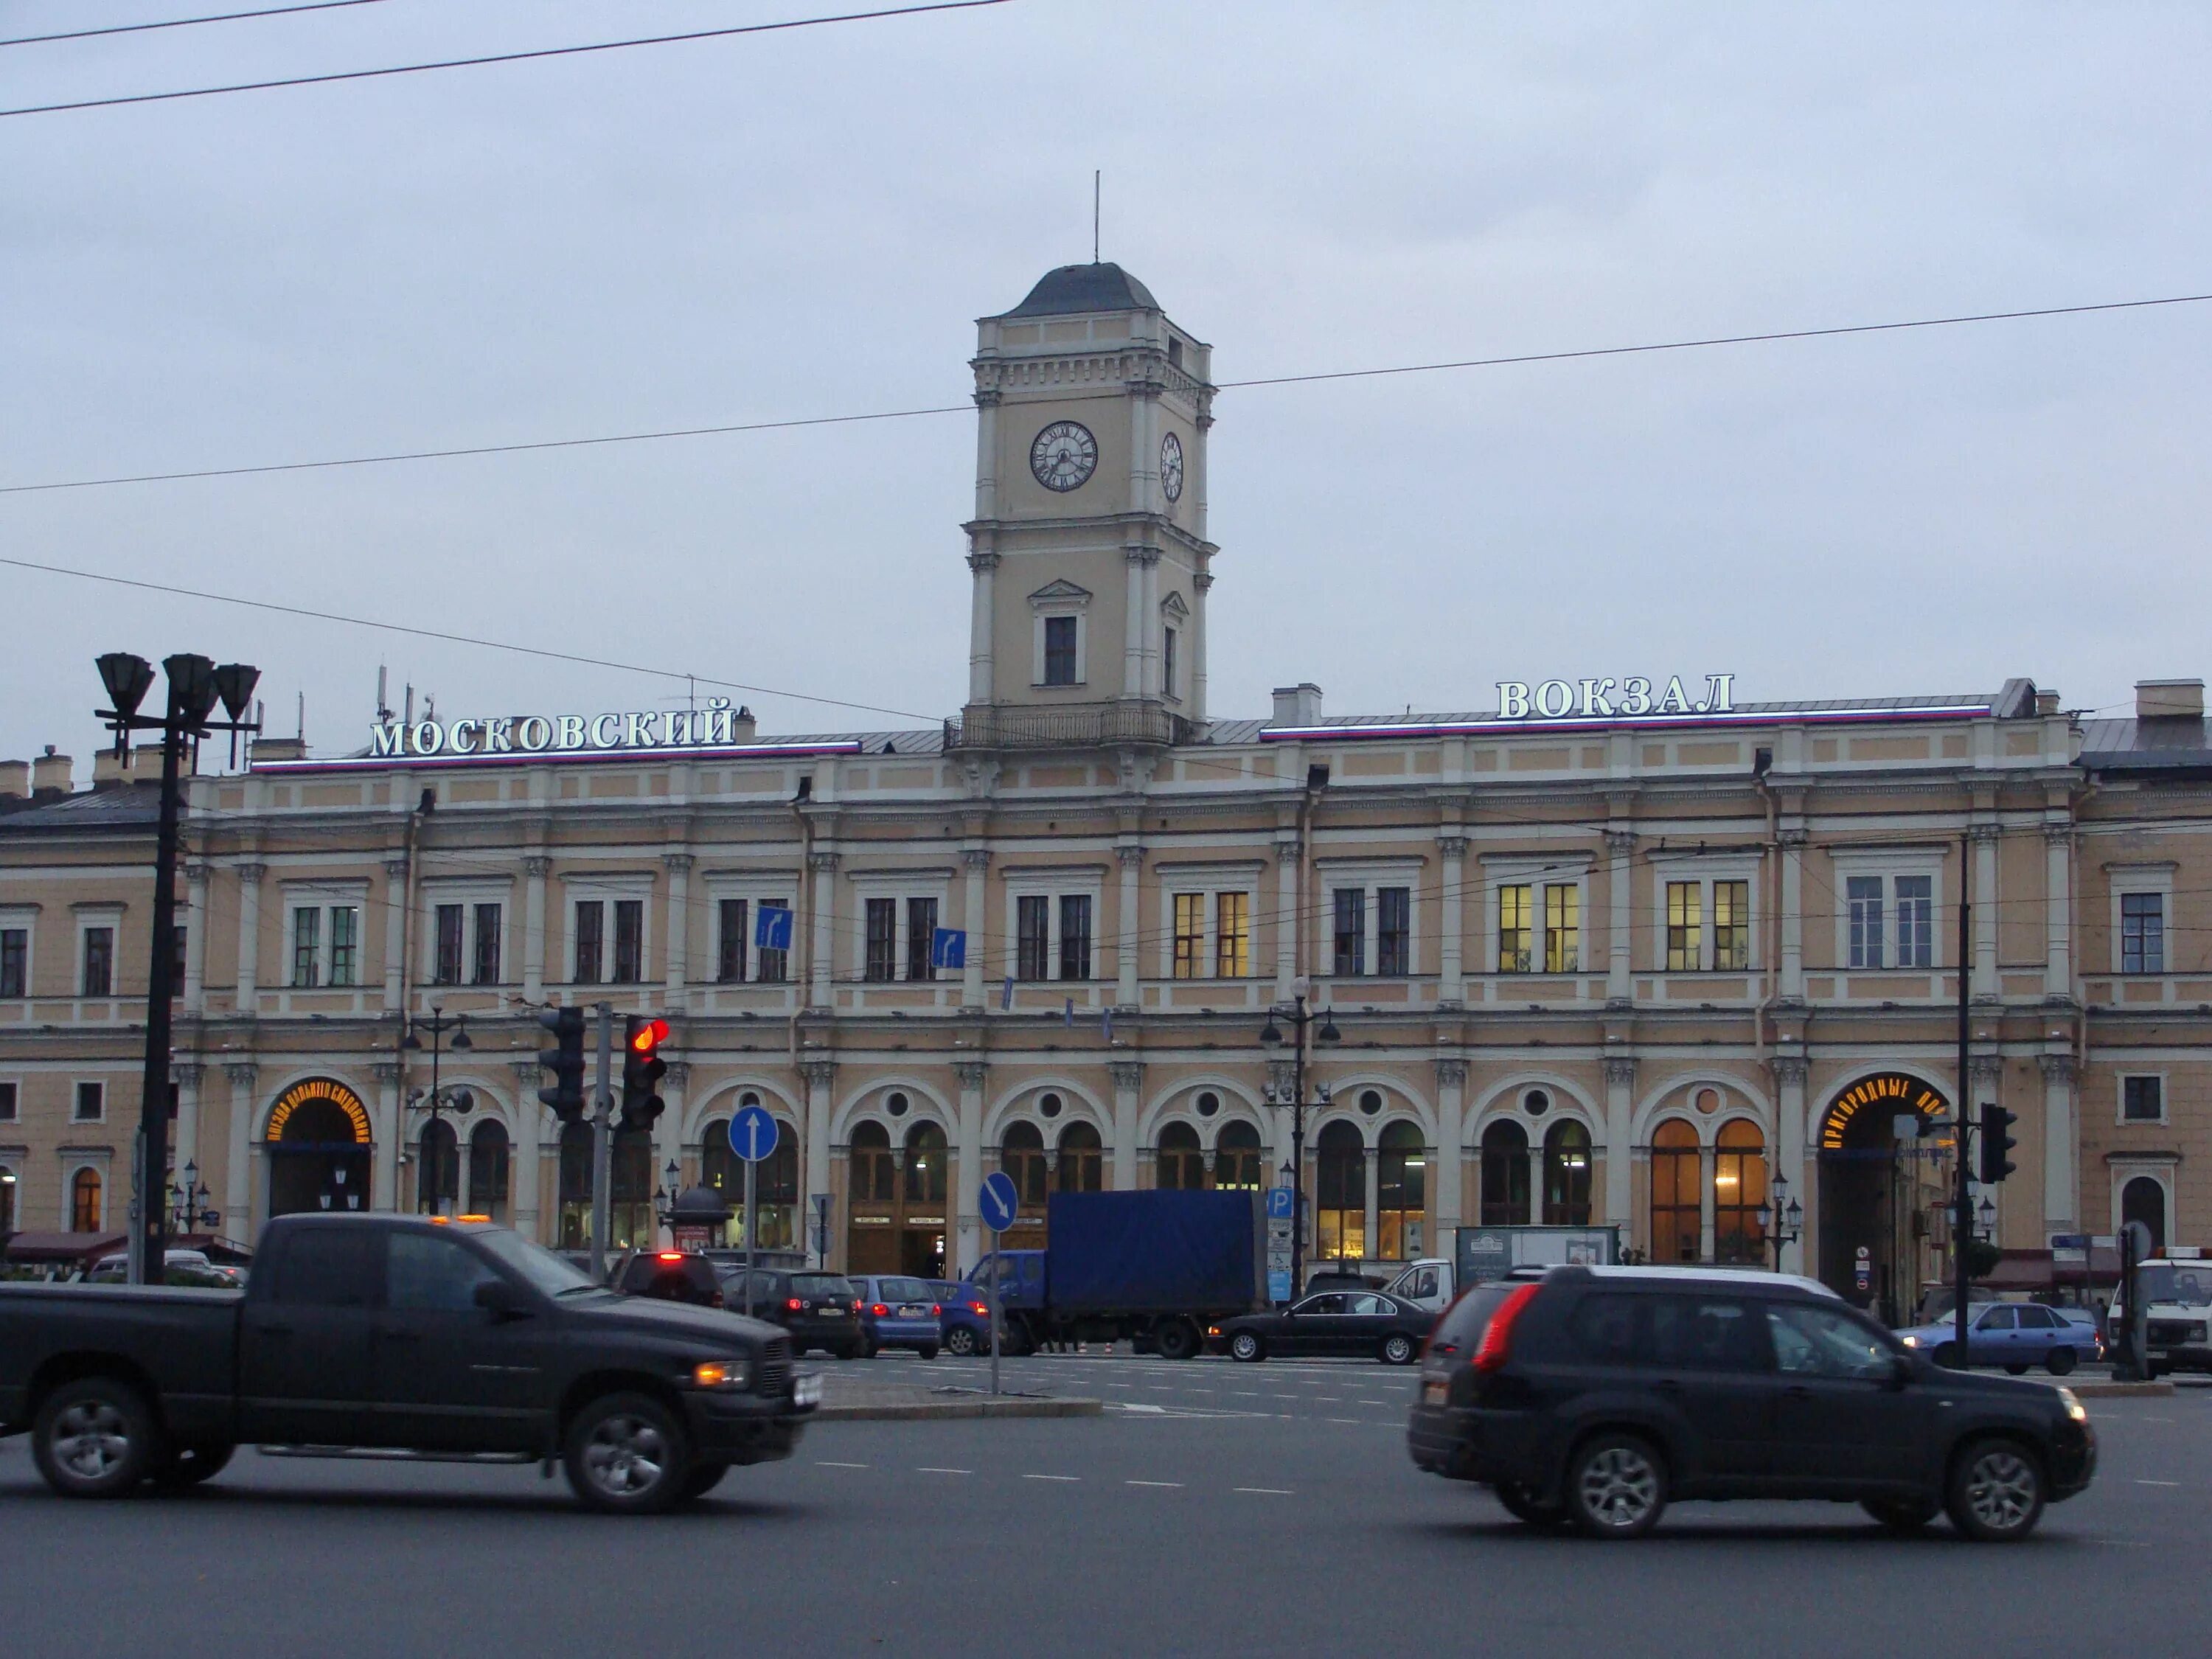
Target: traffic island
x,y
2112,1388
851,1399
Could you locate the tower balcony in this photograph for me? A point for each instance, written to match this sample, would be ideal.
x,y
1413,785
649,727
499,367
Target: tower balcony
x,y
1117,725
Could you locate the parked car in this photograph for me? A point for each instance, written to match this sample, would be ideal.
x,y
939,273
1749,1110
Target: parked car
x,y
898,1312
2013,1335
2176,1299
820,1311
965,1319
672,1275
1331,1277
1367,1323
1595,1396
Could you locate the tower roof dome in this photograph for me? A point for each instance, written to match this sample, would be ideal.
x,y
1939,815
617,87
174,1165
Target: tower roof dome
x,y
1103,287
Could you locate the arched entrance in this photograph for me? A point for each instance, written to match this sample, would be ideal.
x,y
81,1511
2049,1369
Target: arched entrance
x,y
1874,1187
317,1142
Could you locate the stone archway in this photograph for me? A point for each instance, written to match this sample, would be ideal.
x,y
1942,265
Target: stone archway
x,y
1871,1186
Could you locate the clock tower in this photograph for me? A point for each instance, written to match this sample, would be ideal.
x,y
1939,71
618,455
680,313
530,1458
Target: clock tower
x,y
1088,545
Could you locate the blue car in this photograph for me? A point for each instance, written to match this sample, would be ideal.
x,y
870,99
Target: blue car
x,y
897,1312
2013,1335
966,1320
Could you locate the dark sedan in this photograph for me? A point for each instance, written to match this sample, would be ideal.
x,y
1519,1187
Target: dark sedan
x,y
1361,1323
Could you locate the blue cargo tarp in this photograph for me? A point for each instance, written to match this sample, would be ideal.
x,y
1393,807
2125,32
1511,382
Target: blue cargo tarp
x,y
1153,1252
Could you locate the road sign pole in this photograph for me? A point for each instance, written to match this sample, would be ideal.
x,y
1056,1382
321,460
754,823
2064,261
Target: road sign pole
x,y
752,1231
602,1135
991,1291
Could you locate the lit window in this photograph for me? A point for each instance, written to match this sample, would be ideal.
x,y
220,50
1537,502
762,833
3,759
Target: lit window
x,y
1732,925
307,946
1515,922
1189,935
1685,927
1232,935
1563,930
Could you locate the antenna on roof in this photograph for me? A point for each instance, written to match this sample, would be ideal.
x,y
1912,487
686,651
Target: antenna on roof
x,y
383,708
1097,175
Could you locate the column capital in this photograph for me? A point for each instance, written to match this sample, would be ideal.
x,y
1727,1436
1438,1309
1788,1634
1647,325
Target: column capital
x,y
822,1071
822,863
977,859
1452,846
675,863
199,872
241,1072
1288,847
2059,1068
678,1072
1128,1074
1790,1070
2058,834
1620,842
982,559
1620,1071
537,865
1130,858
386,1071
971,1073
186,1074
395,869
526,1072
1985,1068
1451,1073
1282,1076
1984,832
250,874
1792,836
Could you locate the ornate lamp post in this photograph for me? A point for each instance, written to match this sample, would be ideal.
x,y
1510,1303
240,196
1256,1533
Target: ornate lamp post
x,y
459,1101
1299,1018
1781,1218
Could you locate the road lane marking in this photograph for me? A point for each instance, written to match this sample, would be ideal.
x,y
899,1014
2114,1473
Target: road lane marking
x,y
2158,1483
1152,1483
1269,1491
926,1469
1052,1477
1329,1399
824,1464
1339,1419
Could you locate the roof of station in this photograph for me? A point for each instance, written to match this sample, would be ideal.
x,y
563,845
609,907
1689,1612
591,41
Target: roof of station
x,y
1073,288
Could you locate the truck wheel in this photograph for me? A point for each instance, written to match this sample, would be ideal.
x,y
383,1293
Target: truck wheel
x,y
703,1478
94,1438
1519,1502
187,1466
1397,1349
1616,1486
1247,1347
1178,1339
626,1454
961,1342
2060,1362
1995,1492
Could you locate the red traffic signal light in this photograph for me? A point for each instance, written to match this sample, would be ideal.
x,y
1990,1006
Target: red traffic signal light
x,y
647,1035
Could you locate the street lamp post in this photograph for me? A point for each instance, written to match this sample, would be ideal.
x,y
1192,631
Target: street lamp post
x,y
1300,1016
188,1201
1781,1218
459,1101
195,686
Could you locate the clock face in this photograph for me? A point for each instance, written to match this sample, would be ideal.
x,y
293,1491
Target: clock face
x,y
1064,457
1171,466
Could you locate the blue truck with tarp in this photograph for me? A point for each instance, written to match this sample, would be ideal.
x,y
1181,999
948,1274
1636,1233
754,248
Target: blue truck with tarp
x,y
1153,1268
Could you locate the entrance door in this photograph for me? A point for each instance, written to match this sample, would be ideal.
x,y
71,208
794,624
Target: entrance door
x,y
921,1251
323,1178
1871,1186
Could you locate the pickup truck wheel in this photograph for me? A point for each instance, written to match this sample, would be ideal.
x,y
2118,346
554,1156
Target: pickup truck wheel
x,y
1247,1347
703,1478
962,1342
1178,1339
2060,1362
626,1454
187,1466
1901,1513
1397,1349
94,1438
1616,1486
1995,1494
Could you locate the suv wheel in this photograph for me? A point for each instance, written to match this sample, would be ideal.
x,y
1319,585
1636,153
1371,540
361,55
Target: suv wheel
x,y
962,1342
1616,1487
627,1455
1397,1349
1247,1347
1516,1501
1996,1493
94,1438
1901,1513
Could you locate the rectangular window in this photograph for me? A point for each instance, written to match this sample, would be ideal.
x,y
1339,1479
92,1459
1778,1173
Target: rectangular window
x,y
1916,921
2143,1100
1394,932
1685,943
920,932
2143,933
1732,925
445,969
91,1103
1032,936
99,961
591,940
1350,956
1863,902
730,960
484,965
345,944
9,1106
1168,663
630,941
1075,936
1514,923
1563,930
1059,650
880,963
1232,935
775,965
15,962
307,946
1189,935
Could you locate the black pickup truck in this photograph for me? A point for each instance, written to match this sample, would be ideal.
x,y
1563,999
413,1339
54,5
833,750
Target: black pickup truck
x,y
398,1333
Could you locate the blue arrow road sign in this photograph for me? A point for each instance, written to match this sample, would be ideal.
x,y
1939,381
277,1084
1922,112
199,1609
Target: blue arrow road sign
x,y
1279,1204
948,948
752,1134
999,1201
772,928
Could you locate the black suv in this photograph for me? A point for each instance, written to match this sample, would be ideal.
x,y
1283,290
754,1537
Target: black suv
x,y
1592,1396
820,1309
672,1275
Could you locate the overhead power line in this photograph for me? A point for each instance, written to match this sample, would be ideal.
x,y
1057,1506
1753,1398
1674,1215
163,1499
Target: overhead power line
x,y
505,57
459,639
186,22
1225,386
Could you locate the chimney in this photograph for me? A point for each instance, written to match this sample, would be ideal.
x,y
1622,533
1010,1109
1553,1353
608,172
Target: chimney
x,y
108,771
743,726
15,781
2169,700
2046,702
1298,704
50,776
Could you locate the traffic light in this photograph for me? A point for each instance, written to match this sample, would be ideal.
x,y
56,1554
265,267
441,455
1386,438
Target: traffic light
x,y
565,1061
642,1067
1995,1143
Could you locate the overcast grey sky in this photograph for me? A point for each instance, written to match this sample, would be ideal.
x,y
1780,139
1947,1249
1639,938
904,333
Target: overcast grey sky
x,y
808,223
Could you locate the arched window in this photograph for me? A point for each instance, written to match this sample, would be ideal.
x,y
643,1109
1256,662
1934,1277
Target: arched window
x,y
1401,1187
1676,1185
488,1169
576,1185
1021,1155
776,1189
84,1201
925,1163
2141,1200
1237,1157
1178,1165
1739,1189
1505,1174
438,1168
720,1167
871,1159
1082,1160
1340,1193
1566,1174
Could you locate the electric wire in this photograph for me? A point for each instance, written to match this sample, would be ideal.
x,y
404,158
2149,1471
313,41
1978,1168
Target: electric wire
x,y
505,57
185,22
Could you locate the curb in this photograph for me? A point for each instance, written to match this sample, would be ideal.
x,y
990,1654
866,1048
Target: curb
x,y
958,1408
2112,1390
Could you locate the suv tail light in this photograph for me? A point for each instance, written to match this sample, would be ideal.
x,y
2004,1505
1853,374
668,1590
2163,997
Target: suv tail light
x,y
1497,1336
880,1311
795,1304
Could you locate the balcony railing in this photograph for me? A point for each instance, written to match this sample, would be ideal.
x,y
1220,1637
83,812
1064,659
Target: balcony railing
x,y
1073,726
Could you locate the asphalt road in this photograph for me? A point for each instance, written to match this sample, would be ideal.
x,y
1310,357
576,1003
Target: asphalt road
x,y
1213,1509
